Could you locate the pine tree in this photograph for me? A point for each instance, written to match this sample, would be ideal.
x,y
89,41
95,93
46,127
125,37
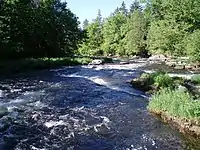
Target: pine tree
x,y
85,24
123,9
135,6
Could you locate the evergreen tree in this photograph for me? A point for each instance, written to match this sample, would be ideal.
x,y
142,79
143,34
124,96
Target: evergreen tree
x,y
123,9
85,24
112,34
135,6
135,37
92,45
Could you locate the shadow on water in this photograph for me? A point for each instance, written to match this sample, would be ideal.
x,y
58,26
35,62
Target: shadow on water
x,y
80,108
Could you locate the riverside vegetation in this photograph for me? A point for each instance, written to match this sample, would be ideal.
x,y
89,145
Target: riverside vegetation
x,y
172,100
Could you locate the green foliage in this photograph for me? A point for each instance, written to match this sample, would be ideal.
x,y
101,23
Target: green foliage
x,y
112,34
160,80
135,6
44,29
150,26
172,21
175,103
163,80
21,65
92,45
196,79
135,37
85,24
166,36
192,44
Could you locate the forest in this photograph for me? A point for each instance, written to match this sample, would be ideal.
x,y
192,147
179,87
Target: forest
x,y
170,27
37,29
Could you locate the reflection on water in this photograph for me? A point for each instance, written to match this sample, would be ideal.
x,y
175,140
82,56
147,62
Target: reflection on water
x,y
81,108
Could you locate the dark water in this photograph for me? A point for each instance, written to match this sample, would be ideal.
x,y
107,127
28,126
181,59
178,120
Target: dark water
x,y
81,108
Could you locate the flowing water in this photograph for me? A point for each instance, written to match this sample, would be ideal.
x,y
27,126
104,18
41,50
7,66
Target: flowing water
x,y
81,108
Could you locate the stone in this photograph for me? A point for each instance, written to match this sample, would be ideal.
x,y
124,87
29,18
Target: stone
x,y
96,62
170,63
189,66
179,67
159,57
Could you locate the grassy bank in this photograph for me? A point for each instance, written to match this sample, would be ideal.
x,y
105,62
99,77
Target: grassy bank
x,y
171,100
179,109
151,83
22,65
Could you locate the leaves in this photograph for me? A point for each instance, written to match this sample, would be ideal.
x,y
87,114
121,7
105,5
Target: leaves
x,y
30,29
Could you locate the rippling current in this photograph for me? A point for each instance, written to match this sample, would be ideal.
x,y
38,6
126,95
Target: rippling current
x,y
81,108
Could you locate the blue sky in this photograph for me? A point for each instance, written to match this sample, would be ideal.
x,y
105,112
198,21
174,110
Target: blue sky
x,y
89,8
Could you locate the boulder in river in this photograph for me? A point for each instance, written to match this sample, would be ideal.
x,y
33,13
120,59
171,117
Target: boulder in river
x,y
170,63
96,62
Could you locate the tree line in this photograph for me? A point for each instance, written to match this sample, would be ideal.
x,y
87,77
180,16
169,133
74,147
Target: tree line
x,y
37,28
170,27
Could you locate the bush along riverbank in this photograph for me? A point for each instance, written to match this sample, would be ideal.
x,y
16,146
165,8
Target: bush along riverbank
x,y
29,64
174,100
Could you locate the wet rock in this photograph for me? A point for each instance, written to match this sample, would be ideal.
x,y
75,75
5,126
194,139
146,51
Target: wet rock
x,y
96,62
170,63
189,66
179,67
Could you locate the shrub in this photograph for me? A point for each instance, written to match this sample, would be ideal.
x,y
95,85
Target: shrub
x,y
163,81
175,103
196,79
160,79
192,45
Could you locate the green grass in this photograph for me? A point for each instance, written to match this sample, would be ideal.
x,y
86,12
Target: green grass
x,y
196,79
22,65
160,79
175,103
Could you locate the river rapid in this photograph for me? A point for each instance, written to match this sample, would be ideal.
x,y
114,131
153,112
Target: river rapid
x,y
82,108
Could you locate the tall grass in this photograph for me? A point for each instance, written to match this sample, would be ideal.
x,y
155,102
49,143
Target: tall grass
x,y
175,103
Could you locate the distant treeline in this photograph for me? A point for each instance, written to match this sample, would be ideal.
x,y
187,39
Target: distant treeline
x,y
170,27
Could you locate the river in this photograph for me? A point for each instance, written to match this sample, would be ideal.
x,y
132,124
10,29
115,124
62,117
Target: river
x,y
81,108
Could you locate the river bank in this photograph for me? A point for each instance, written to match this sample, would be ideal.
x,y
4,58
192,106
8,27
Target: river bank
x,y
8,67
173,99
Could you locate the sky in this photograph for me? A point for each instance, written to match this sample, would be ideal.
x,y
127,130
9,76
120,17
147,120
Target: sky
x,y
89,8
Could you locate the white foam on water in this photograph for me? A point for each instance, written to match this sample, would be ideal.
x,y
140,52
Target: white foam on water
x,y
1,93
51,123
35,148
